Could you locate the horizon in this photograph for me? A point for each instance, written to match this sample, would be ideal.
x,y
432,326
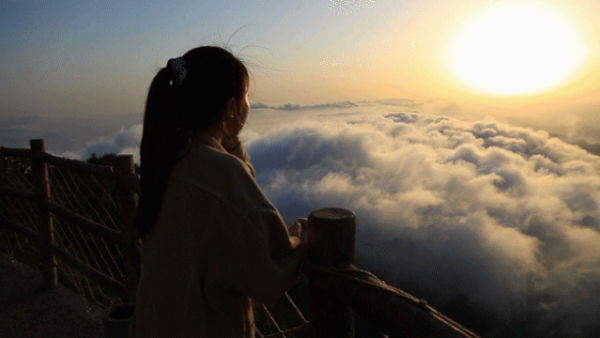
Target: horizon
x,y
78,134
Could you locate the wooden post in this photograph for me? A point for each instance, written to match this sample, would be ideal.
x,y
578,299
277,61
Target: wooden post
x,y
332,241
124,167
41,181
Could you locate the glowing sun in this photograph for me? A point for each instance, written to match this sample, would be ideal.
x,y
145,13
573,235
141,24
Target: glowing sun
x,y
515,48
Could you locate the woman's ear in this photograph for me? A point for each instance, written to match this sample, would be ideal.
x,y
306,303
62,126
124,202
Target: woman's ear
x,y
231,108
231,117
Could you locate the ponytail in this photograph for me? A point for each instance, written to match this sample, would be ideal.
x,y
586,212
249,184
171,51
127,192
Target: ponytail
x,y
163,136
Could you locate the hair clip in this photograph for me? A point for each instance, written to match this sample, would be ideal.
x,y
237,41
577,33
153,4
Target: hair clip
x,y
178,70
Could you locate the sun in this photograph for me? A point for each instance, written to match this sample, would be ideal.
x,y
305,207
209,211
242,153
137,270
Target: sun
x,y
516,48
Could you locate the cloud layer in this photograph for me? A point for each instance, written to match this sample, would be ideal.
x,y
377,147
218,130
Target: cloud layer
x,y
504,217
495,225
126,141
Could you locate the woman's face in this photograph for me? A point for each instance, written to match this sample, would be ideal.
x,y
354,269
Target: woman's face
x,y
239,115
245,107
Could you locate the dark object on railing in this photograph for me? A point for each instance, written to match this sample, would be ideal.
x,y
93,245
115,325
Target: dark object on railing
x,y
46,229
332,238
124,168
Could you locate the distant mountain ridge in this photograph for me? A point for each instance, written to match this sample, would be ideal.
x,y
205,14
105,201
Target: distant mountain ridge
x,y
592,148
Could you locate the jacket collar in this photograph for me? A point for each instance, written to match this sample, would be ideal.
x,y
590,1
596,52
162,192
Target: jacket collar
x,y
205,138
198,138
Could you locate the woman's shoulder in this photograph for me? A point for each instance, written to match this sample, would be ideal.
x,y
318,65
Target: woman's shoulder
x,y
224,176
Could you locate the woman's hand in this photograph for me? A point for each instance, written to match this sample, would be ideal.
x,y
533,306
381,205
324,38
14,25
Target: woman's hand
x,y
299,229
230,143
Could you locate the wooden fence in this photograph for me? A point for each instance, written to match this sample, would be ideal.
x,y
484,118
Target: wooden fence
x,y
336,289
122,172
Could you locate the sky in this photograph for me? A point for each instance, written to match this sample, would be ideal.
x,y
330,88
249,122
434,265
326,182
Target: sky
x,y
74,58
449,127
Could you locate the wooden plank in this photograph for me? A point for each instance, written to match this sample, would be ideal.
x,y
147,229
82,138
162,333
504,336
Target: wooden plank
x,y
15,152
76,165
103,280
28,195
128,205
20,229
41,181
83,223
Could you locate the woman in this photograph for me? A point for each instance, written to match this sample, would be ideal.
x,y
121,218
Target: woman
x,y
211,240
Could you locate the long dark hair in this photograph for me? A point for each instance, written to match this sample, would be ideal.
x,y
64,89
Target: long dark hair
x,y
213,76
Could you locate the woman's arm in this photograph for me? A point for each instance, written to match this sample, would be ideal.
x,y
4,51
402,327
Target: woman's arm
x,y
268,261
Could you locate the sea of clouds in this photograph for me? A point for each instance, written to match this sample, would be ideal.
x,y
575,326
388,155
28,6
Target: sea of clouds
x,y
497,226
505,216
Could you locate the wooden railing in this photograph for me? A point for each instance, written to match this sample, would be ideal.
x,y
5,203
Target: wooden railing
x,y
337,288
123,173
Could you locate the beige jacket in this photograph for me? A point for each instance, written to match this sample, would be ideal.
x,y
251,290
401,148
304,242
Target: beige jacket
x,y
218,243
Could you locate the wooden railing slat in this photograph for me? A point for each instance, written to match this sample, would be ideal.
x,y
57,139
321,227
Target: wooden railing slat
x,y
88,225
19,229
15,152
76,165
105,281
17,193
